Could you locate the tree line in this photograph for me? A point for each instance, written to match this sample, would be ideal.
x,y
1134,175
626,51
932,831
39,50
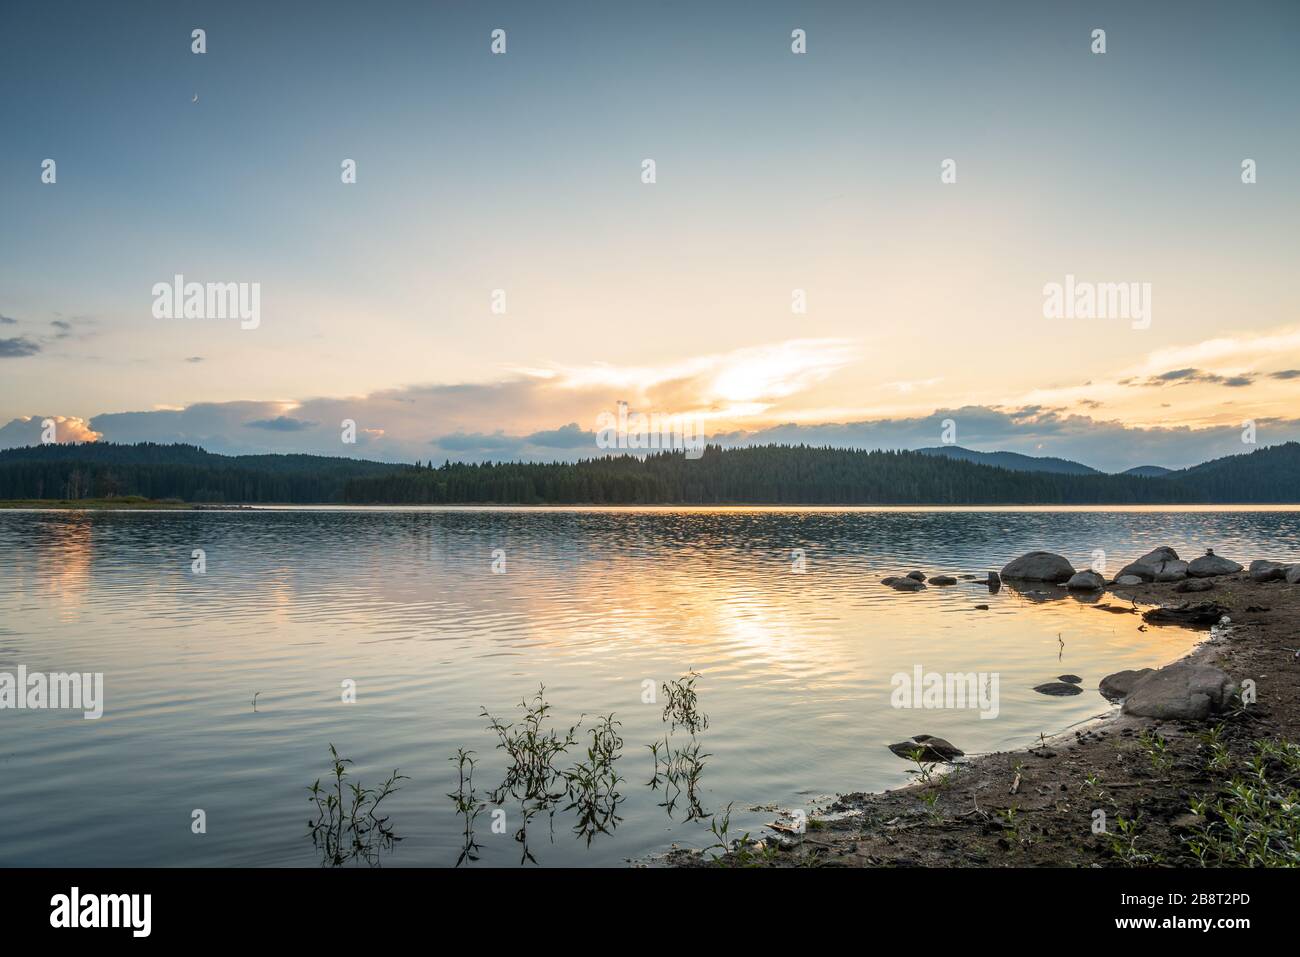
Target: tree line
x,y
763,475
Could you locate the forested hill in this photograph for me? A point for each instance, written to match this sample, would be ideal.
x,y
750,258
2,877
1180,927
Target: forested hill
x,y
185,472
767,475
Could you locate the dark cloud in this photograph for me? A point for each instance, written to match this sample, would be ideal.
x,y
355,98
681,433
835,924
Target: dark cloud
x,y
281,423
18,347
1182,376
194,358
478,442
1285,374
7,320
570,436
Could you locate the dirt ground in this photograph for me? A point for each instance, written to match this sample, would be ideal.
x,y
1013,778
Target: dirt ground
x,y
1037,807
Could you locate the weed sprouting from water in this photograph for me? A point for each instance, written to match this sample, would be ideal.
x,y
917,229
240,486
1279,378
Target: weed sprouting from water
x,y
593,783
467,804
683,704
678,771
347,826
531,775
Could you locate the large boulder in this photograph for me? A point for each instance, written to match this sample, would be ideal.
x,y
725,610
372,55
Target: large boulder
x,y
1182,691
931,749
1293,575
943,580
1039,567
1266,571
1174,571
1086,581
1210,565
1118,686
1159,564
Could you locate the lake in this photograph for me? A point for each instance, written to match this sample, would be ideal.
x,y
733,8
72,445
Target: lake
x,y
780,612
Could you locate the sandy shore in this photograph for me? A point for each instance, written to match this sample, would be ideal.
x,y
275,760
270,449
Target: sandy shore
x,y
1038,807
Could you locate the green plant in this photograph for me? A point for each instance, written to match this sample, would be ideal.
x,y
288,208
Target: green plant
x,y
347,826
1158,750
682,707
1253,820
593,783
1124,845
467,804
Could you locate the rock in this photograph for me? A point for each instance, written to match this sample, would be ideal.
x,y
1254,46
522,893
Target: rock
x,y
916,576
1266,571
1117,687
1039,567
981,607
1158,565
1293,575
1181,691
1203,613
1128,580
994,579
906,584
1072,679
889,581
1086,581
1174,571
1209,565
943,580
1058,688
1194,584
932,749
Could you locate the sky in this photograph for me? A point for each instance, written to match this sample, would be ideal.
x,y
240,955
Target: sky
x,y
779,176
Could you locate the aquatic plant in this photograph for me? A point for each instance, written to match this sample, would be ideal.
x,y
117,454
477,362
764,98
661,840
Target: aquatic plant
x,y
593,783
531,774
467,804
347,826
678,771
682,708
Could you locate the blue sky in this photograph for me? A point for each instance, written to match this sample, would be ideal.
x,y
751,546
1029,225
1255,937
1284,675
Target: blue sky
x,y
776,172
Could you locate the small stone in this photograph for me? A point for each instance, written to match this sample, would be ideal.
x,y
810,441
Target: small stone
x,y
1059,689
932,749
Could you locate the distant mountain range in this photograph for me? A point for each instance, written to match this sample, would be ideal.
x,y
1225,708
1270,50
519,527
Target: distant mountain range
x,y
1012,460
1031,463
773,474
1147,471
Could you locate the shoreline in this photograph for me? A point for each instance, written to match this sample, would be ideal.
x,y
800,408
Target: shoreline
x,y
145,505
1038,806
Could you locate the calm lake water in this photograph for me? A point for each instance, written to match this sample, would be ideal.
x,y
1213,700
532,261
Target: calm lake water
x,y
795,668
